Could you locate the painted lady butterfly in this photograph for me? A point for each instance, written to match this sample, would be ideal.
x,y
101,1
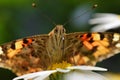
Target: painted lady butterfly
x,y
37,53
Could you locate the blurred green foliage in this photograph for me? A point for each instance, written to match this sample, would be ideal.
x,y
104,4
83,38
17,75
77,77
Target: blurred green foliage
x,y
19,19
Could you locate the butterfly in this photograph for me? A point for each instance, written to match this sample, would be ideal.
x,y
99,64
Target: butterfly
x,y
37,53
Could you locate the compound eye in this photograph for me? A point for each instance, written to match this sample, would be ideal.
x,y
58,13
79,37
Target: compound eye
x,y
56,30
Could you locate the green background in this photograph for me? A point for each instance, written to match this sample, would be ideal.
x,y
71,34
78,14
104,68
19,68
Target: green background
x,y
19,19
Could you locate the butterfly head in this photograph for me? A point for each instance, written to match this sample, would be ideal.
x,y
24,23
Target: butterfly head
x,y
59,29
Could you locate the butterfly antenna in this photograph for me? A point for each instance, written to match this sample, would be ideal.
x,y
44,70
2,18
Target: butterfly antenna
x,y
34,5
70,20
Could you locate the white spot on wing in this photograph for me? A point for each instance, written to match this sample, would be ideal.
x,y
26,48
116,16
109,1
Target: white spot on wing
x,y
1,51
63,38
118,45
116,37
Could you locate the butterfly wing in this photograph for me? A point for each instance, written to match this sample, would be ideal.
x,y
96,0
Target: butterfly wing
x,y
25,55
37,53
34,53
89,48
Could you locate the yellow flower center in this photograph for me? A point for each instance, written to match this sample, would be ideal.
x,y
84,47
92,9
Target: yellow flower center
x,y
62,65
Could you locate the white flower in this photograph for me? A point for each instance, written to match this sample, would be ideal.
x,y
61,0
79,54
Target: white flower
x,y
70,73
105,21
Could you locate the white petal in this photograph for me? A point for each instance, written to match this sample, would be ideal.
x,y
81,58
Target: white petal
x,y
100,18
83,75
104,27
63,70
88,68
39,78
103,20
42,75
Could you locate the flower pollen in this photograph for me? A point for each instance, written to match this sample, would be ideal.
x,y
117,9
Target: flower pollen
x,y
62,65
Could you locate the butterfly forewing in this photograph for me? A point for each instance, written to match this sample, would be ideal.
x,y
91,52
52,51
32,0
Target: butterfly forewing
x,y
25,55
89,48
